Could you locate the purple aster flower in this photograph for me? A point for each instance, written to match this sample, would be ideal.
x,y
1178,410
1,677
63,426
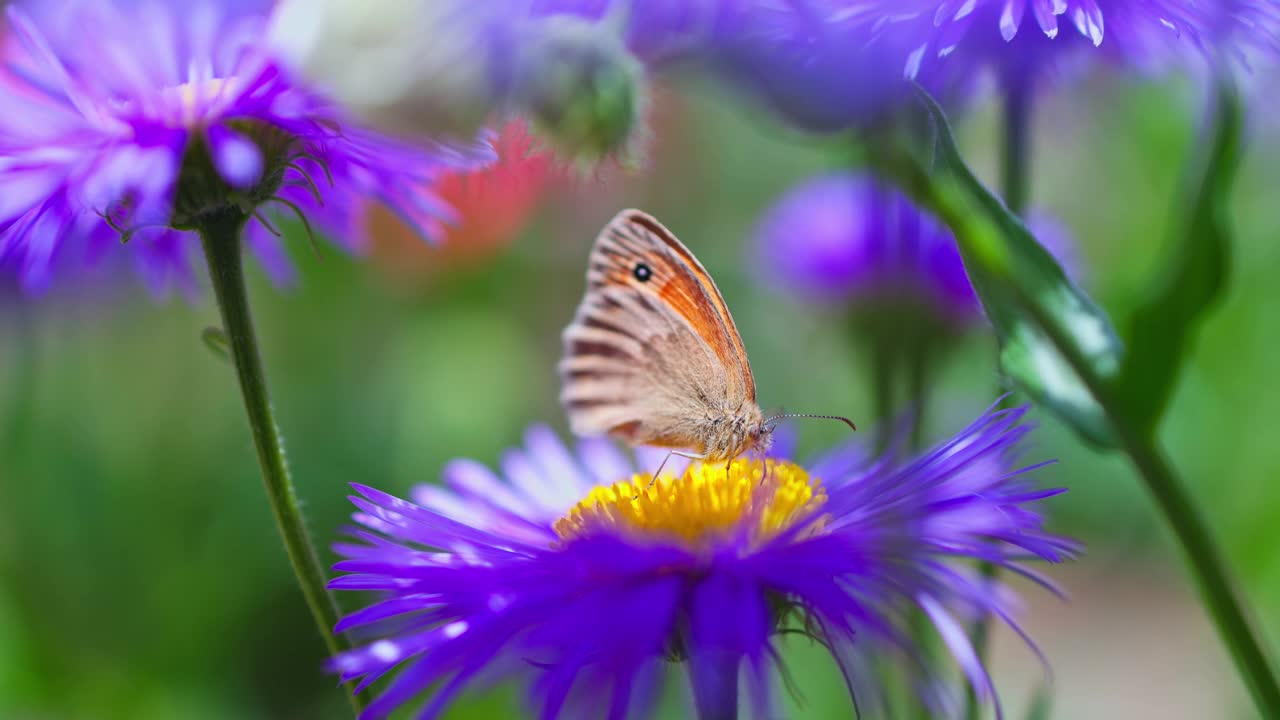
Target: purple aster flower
x,y
826,65
93,277
814,62
821,65
847,238
141,121
1020,37
573,571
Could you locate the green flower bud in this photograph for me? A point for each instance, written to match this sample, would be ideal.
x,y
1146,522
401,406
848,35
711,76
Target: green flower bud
x,y
582,88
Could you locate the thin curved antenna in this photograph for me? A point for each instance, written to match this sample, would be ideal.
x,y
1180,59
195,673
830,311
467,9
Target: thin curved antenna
x,y
842,419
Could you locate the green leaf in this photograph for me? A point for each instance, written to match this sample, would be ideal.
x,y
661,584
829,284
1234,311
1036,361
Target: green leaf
x,y
216,340
1046,325
1196,274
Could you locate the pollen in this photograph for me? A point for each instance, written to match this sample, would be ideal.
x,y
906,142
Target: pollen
x,y
751,499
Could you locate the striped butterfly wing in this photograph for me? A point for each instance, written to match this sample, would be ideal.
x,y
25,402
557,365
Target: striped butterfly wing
x,y
652,352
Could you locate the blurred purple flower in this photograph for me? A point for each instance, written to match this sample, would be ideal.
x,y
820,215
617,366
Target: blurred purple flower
x,y
1022,39
655,30
825,65
847,238
135,119
495,576
821,65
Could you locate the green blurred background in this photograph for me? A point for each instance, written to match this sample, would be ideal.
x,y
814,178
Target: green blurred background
x,y
140,573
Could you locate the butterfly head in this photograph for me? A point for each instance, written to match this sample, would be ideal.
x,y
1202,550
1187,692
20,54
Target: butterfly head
x,y
736,433
756,437
760,435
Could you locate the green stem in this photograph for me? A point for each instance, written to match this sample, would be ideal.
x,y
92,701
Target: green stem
x,y
882,390
980,638
1217,591
1015,165
1208,567
1015,181
919,362
222,248
975,218
901,360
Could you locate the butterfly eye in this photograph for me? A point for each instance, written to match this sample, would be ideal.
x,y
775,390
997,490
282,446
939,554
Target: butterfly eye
x,y
642,272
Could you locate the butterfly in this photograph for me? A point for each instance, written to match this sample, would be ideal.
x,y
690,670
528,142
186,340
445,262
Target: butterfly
x,y
653,357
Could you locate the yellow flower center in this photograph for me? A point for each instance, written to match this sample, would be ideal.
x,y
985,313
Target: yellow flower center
x,y
707,502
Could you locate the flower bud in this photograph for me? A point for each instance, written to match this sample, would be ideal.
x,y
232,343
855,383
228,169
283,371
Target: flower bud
x,y
581,87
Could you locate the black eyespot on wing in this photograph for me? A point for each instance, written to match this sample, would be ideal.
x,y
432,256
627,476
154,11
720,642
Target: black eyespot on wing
x,y
642,272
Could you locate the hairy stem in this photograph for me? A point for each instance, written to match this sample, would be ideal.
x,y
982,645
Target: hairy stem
x,y
222,248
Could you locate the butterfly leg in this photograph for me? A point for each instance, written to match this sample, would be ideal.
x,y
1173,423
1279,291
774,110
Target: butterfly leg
x,y
654,478
727,464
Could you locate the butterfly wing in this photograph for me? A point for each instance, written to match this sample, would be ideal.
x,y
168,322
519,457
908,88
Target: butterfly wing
x,y
652,354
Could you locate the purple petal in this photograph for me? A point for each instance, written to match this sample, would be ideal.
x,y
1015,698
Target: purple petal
x,y
237,159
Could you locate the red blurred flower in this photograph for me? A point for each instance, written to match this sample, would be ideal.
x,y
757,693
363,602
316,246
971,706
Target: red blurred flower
x,y
492,205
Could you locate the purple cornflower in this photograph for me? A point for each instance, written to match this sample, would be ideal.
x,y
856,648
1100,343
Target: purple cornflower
x,y
577,574
847,238
140,121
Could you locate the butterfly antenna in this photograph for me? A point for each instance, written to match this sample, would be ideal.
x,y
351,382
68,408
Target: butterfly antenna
x,y
842,419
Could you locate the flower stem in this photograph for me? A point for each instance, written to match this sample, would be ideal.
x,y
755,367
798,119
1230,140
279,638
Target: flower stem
x,y
1208,568
980,638
222,247
1217,591
1015,182
918,373
963,205
1015,156
882,390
